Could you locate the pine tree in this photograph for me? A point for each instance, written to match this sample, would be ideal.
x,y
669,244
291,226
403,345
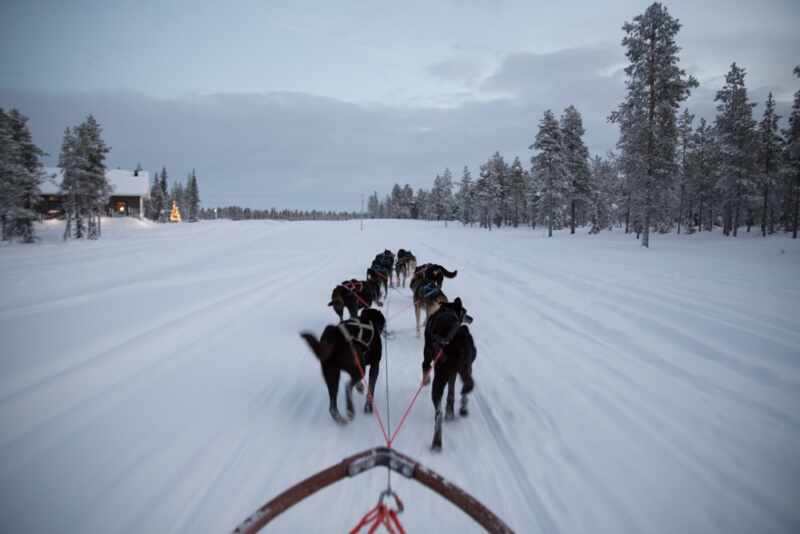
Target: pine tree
x,y
703,173
770,147
685,139
735,128
550,165
442,195
166,200
372,205
792,158
73,162
518,193
192,198
21,176
647,117
465,198
605,188
156,203
576,161
97,189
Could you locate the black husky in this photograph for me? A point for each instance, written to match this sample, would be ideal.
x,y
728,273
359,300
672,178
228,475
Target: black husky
x,y
354,295
448,338
381,270
350,346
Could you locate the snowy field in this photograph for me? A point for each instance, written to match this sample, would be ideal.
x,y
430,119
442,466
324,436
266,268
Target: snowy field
x,y
154,381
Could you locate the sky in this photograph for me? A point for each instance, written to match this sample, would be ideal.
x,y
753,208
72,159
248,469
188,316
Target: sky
x,y
309,104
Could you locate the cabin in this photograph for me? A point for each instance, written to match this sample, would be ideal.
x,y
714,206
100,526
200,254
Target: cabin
x,y
129,189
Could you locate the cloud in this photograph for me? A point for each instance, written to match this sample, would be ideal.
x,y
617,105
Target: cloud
x,y
459,69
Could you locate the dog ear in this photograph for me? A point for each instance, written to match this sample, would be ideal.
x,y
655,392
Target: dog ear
x,y
458,303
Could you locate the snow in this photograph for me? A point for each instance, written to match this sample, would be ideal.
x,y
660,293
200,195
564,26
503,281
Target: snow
x,y
123,182
154,381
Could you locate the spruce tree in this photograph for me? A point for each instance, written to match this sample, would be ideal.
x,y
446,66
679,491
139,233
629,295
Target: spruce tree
x,y
156,203
576,160
465,198
192,198
166,200
792,157
656,86
518,193
685,140
21,176
770,147
704,173
735,129
550,166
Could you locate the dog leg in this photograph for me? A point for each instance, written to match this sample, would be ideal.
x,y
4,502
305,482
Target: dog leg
x,y
463,411
373,379
351,410
417,313
436,444
437,392
450,408
331,376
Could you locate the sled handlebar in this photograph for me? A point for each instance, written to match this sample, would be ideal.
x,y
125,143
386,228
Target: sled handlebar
x,y
364,461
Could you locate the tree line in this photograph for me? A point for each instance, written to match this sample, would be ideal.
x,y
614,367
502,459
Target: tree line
x,y
237,213
668,174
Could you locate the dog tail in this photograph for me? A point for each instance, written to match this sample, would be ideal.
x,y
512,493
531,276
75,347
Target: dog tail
x,y
448,274
321,351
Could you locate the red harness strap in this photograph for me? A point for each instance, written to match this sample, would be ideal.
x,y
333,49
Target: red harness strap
x,y
380,515
369,395
413,400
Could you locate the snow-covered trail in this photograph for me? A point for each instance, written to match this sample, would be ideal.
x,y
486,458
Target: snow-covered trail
x,y
154,381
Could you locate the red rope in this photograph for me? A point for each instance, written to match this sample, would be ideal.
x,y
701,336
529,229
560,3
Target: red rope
x,y
413,400
370,398
380,515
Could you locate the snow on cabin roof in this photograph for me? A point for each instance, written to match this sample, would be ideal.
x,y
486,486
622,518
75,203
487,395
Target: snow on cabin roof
x,y
123,182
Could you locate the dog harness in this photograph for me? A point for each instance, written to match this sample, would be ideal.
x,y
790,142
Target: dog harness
x,y
364,332
353,286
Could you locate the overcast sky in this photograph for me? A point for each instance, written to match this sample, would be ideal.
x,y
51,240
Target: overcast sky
x,y
306,104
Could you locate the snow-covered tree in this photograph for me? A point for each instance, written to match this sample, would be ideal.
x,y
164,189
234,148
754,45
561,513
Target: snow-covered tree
x,y
770,148
517,193
576,161
465,198
605,192
84,186
735,129
166,204
656,86
192,198
792,157
21,176
373,205
442,195
685,140
550,166
703,174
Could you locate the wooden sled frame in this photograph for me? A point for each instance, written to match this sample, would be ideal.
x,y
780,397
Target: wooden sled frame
x,y
364,461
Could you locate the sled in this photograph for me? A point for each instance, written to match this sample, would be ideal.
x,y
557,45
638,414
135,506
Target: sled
x,y
364,461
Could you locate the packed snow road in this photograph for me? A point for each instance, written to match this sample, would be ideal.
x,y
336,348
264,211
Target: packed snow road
x,y
154,381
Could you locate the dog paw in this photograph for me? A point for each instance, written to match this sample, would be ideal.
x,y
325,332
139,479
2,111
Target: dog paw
x,y
359,387
368,407
463,412
351,413
338,418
